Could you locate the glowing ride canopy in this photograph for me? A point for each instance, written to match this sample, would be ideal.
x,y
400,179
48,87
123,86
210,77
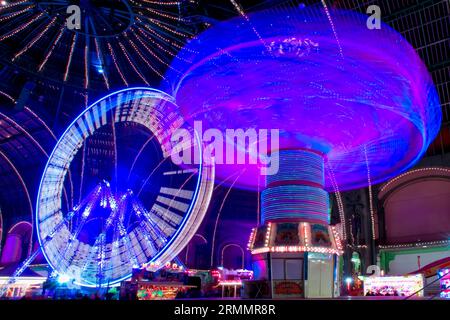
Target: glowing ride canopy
x,y
361,97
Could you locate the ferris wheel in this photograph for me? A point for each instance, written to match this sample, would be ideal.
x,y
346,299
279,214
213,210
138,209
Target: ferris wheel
x,y
128,203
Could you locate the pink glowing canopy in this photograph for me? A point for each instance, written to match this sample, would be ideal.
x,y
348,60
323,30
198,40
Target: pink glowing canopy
x,y
361,97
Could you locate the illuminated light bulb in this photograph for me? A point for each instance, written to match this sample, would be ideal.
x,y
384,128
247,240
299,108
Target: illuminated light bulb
x,y
63,279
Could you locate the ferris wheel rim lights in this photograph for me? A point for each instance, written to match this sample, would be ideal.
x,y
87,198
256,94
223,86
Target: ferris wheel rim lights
x,y
190,221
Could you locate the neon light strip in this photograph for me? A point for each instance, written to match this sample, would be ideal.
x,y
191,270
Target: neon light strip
x,y
293,201
299,165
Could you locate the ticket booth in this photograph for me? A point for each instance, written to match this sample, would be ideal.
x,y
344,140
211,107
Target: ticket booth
x,y
304,269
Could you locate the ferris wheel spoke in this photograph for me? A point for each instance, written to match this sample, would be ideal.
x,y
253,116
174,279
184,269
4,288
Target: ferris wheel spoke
x,y
179,193
165,213
146,220
142,234
154,236
114,245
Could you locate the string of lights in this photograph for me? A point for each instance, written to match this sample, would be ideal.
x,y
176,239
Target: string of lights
x,y
22,27
133,65
69,60
162,21
52,48
111,52
142,56
372,214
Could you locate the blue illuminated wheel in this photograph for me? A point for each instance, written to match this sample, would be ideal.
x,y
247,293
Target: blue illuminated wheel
x,y
128,203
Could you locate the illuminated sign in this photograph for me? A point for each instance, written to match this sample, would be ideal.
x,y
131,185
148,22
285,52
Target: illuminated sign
x,y
394,286
444,279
